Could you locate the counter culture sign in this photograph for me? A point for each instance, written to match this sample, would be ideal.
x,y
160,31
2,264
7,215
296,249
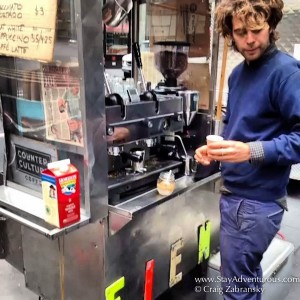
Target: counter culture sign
x,y
27,28
31,162
29,158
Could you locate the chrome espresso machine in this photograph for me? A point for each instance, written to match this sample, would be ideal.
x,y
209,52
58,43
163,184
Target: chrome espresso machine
x,y
147,133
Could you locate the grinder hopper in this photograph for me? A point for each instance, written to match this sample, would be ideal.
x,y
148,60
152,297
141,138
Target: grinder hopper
x,y
171,60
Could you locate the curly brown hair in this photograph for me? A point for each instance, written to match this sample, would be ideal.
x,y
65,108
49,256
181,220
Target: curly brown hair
x,y
253,13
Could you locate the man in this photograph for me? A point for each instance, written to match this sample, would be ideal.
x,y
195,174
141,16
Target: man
x,y
261,141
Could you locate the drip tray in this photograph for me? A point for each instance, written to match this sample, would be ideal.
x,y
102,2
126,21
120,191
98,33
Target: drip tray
x,y
153,168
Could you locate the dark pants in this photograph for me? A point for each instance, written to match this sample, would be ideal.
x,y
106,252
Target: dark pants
x,y
247,229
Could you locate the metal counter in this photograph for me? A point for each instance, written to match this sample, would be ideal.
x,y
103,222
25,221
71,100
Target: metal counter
x,y
87,262
147,228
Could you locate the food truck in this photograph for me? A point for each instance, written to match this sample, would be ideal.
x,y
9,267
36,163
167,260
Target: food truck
x,y
148,213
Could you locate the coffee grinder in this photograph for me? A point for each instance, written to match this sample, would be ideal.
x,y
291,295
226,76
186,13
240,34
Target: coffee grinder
x,y
171,60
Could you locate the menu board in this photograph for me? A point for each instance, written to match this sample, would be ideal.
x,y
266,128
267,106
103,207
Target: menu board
x,y
27,28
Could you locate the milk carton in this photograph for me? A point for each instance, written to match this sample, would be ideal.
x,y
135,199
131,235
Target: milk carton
x,y
61,193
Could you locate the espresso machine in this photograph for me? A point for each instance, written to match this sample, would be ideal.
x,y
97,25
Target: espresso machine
x,y
146,135
137,152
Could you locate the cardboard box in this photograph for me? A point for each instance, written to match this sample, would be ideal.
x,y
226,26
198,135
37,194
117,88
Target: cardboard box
x,y
61,193
197,77
150,72
185,21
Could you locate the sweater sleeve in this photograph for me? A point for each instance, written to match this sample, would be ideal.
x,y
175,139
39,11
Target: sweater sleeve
x,y
285,149
257,154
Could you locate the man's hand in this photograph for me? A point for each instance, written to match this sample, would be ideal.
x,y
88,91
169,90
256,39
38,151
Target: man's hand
x,y
201,156
228,151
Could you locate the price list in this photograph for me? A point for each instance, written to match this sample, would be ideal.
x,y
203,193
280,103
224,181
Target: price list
x,y
27,28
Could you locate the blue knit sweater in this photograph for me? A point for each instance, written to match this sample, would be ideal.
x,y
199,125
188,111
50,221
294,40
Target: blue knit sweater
x,y
264,105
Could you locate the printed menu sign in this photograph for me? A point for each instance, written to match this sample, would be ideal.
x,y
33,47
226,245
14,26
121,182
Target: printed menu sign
x,y
27,28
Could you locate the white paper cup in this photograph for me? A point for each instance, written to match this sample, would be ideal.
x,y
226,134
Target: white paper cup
x,y
213,138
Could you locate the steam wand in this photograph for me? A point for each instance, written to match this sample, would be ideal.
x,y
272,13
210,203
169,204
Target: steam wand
x,y
187,158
